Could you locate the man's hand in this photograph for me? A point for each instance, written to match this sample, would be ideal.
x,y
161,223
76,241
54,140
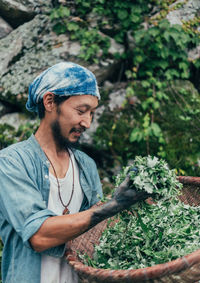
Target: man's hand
x,y
124,196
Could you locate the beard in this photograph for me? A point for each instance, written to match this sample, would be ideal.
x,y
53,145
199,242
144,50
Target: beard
x,y
61,142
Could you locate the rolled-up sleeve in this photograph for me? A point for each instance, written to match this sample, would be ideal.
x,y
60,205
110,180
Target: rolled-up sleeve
x,y
21,201
97,193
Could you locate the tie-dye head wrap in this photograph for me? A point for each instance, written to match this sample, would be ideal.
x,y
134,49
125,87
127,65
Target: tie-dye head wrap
x,y
63,79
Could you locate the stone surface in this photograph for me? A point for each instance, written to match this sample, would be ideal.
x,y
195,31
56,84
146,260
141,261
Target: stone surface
x,y
87,137
15,119
4,109
115,47
5,28
189,10
33,47
116,100
194,54
17,12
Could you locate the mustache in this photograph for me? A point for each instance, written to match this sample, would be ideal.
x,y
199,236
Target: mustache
x,y
78,130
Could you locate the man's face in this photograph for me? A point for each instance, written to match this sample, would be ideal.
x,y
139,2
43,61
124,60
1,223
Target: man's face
x,y
73,116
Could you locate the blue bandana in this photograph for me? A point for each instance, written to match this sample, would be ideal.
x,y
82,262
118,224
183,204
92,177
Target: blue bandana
x,y
63,79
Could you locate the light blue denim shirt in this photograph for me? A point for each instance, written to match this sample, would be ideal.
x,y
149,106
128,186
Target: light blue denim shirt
x,y
24,191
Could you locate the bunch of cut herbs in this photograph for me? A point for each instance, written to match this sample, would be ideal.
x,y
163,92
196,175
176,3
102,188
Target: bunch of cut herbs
x,y
149,234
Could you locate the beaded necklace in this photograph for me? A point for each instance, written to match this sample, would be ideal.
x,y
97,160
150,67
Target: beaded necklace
x,y
66,210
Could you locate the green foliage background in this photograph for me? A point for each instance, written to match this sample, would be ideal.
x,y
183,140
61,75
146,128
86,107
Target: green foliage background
x,y
158,73
161,112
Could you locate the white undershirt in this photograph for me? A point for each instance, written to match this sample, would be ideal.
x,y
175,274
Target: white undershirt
x,y
57,270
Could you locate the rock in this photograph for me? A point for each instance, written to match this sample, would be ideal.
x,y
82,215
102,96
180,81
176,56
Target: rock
x,y
108,86
4,109
15,120
87,137
62,2
17,12
5,28
115,47
13,51
33,47
194,54
1,109
187,12
116,99
92,19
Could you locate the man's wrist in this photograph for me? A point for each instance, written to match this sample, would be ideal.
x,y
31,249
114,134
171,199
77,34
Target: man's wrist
x,y
105,211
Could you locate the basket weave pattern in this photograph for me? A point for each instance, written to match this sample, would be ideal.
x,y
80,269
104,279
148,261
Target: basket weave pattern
x,y
181,270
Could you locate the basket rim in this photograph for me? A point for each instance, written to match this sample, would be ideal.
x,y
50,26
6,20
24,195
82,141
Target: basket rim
x,y
151,272
189,180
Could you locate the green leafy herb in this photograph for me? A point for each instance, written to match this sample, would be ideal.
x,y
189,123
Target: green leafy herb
x,y
153,176
150,234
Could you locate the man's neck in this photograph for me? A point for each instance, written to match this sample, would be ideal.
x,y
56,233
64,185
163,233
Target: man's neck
x,y
46,140
59,158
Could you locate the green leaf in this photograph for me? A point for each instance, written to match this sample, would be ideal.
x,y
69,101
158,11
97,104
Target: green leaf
x,y
145,84
138,59
154,31
144,227
164,24
59,28
156,129
122,14
64,12
136,135
72,26
163,64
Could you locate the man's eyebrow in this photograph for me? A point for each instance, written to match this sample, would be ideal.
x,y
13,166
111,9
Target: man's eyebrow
x,y
87,106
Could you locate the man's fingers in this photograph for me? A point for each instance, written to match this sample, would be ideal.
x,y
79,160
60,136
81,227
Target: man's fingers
x,y
142,195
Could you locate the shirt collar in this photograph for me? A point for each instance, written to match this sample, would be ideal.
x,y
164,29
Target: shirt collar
x,y
37,147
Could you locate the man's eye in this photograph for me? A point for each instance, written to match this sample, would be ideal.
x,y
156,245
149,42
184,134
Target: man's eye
x,y
80,111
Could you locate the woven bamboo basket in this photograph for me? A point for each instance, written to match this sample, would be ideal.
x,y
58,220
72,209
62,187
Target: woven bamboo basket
x,y
181,270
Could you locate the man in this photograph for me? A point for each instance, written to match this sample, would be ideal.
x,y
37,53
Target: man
x,y
48,188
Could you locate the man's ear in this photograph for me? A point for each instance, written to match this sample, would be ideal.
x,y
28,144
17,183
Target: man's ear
x,y
48,101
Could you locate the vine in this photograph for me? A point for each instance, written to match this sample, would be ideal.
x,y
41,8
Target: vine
x,y
93,44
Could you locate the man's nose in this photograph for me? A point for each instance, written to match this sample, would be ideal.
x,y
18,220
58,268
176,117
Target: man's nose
x,y
86,121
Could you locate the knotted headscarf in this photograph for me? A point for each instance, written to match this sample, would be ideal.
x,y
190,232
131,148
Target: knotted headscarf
x,y
63,79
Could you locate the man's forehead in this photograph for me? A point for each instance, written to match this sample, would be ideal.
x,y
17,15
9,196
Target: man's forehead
x,y
84,101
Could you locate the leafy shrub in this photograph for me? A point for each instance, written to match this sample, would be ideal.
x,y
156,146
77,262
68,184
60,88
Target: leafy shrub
x,y
10,135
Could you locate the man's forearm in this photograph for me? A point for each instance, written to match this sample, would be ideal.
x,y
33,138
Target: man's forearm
x,y
105,211
58,230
